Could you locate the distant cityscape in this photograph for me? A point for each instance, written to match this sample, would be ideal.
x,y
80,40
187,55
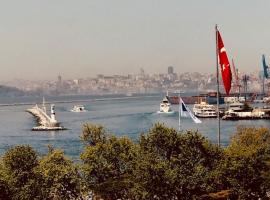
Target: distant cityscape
x,y
137,83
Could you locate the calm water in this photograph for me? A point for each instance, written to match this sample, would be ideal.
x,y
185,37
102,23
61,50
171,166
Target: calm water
x,y
129,117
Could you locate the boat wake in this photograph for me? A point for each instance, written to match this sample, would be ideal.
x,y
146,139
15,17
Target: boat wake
x,y
123,115
166,113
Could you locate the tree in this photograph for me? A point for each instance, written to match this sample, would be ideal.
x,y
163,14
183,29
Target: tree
x,y
60,178
107,163
19,163
93,134
173,165
245,169
4,187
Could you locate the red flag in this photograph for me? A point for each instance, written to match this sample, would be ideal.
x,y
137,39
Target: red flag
x,y
224,65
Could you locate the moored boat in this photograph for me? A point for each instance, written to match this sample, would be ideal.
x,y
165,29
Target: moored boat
x,y
240,111
204,110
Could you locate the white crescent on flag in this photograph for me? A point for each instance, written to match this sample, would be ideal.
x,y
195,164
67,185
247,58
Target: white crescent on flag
x,y
222,50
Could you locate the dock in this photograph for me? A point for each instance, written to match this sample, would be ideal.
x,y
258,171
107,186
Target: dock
x,y
46,122
254,114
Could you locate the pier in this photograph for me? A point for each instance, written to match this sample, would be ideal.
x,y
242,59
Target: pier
x,y
46,122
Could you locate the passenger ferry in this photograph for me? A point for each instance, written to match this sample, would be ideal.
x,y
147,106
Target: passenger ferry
x,y
204,110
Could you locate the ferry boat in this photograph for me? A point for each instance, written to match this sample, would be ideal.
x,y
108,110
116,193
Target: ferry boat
x,y
204,110
165,106
78,108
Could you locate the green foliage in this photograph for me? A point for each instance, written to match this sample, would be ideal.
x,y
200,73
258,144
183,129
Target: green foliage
x,y
60,179
4,188
174,166
93,134
107,165
20,159
249,140
164,164
18,166
24,176
245,169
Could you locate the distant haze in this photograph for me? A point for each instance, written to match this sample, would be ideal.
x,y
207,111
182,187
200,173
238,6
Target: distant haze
x,y
82,38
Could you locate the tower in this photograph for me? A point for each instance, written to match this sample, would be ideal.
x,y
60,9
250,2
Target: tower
x,y
170,70
59,79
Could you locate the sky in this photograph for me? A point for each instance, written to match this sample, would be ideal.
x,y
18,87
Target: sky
x,y
40,39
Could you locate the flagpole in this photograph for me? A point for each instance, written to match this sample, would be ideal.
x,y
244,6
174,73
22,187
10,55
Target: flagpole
x,y
218,117
179,113
263,91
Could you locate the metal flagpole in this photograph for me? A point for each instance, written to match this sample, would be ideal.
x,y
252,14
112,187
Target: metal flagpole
x,y
179,113
263,91
218,118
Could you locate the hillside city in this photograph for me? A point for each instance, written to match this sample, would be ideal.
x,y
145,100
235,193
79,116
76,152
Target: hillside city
x,y
137,83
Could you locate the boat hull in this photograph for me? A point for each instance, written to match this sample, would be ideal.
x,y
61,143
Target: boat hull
x,y
162,112
202,116
42,128
243,118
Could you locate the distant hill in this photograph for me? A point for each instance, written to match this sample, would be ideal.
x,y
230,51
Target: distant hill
x,y
11,91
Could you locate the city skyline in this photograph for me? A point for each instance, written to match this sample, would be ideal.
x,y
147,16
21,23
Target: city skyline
x,y
40,40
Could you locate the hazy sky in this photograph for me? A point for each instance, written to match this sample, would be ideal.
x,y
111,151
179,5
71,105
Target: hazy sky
x,y
40,39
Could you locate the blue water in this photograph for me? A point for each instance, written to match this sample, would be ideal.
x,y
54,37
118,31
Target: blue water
x,y
123,116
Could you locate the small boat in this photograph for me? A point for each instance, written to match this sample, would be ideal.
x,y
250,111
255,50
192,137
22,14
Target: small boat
x,y
165,106
204,110
266,99
129,94
238,106
78,108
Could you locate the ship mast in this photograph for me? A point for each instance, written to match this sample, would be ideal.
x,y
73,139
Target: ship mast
x,y
237,85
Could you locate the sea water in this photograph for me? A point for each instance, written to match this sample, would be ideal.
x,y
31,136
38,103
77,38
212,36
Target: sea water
x,y
121,116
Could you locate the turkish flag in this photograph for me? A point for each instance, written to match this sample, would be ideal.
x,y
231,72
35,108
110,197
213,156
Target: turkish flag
x,y
224,64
